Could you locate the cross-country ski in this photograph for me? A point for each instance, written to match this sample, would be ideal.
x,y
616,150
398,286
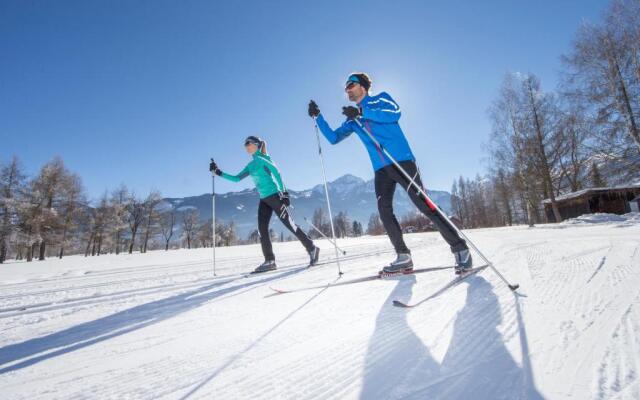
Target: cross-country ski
x,y
457,280
324,262
359,280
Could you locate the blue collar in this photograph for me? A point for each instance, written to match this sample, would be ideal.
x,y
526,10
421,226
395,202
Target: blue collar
x,y
366,97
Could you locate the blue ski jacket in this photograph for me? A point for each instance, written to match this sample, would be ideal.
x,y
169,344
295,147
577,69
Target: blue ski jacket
x,y
380,115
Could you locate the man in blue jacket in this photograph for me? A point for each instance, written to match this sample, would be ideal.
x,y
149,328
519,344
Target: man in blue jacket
x,y
380,115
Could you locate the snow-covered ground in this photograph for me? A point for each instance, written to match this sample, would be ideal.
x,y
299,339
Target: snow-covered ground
x,y
159,325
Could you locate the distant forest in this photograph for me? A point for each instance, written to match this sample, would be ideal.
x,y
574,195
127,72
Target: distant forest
x,y
584,134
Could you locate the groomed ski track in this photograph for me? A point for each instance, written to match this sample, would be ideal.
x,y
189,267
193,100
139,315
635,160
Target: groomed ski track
x,y
160,325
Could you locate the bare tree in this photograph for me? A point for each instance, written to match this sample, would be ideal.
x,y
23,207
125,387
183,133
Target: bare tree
x,y
574,134
542,110
11,186
135,217
375,227
604,76
464,207
167,224
228,235
30,220
151,217
504,193
72,199
509,144
189,224
524,141
100,216
341,224
47,187
321,221
119,202
204,234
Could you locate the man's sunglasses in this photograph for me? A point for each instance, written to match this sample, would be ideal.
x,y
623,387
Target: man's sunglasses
x,y
350,85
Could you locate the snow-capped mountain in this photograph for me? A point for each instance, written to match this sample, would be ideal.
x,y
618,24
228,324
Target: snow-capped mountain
x,y
349,193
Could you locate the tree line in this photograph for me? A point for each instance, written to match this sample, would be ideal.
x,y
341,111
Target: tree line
x,y
50,214
547,143
345,227
342,225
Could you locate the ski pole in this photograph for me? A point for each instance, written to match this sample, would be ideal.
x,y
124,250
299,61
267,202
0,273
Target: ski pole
x,y
433,206
325,236
326,192
213,217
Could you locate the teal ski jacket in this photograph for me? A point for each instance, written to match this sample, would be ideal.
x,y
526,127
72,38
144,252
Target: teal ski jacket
x,y
264,173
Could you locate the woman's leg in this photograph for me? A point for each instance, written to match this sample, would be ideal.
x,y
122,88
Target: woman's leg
x,y
264,216
287,220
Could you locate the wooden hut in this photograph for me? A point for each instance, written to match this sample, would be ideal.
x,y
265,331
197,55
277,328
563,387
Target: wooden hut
x,y
613,200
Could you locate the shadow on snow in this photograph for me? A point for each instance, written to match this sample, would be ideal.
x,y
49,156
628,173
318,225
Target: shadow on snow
x,y
114,325
476,365
253,344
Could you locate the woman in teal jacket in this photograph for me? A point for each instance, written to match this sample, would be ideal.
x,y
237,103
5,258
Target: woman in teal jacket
x,y
273,197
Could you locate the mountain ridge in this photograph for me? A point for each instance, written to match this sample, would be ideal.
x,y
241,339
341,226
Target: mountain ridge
x,y
348,193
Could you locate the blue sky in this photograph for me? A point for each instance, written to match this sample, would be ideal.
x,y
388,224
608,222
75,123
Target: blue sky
x,y
145,92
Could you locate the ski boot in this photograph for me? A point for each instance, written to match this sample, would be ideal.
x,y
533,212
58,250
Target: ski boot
x,y
403,264
268,265
464,261
314,254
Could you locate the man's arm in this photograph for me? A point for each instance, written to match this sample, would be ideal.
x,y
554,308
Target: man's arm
x,y
384,110
334,136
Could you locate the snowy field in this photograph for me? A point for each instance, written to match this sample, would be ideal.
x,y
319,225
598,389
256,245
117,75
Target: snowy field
x,y
160,326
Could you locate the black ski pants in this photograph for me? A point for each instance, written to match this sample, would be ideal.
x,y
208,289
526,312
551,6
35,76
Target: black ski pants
x,y
386,179
265,209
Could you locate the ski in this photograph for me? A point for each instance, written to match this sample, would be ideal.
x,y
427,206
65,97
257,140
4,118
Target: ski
x,y
456,281
320,263
378,276
285,269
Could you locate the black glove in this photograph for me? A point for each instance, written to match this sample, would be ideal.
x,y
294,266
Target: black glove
x,y
284,198
351,112
314,111
213,167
